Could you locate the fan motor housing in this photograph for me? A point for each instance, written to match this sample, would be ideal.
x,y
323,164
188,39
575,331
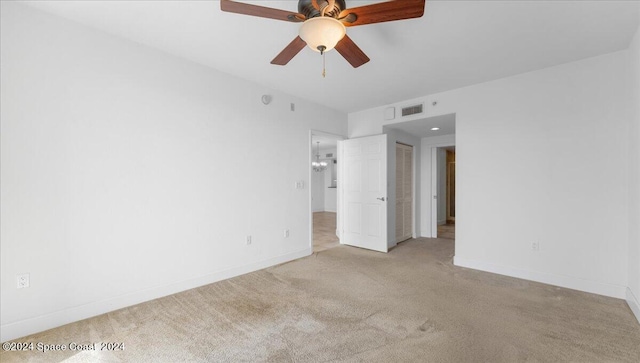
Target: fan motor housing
x,y
306,8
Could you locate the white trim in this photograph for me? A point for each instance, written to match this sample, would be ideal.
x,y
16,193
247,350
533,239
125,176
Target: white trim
x,y
442,141
340,191
416,202
575,283
431,143
633,303
434,193
26,327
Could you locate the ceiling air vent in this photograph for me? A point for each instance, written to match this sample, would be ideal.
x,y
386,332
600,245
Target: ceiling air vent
x,y
411,110
329,155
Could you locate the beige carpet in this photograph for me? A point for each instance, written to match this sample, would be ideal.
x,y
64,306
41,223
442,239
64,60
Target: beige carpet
x,y
348,304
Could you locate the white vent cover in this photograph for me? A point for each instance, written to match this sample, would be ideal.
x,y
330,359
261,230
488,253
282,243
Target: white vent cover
x,y
390,113
411,110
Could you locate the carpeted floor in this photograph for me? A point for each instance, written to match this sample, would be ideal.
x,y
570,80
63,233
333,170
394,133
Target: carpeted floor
x,y
349,304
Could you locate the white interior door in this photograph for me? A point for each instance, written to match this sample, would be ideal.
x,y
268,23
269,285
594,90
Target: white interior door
x,y
364,190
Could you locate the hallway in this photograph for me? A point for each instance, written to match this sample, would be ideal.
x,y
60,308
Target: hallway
x,y
324,231
447,231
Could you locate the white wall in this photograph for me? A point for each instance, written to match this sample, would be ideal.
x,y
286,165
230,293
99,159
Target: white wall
x,y
633,294
331,199
317,191
324,199
128,174
547,152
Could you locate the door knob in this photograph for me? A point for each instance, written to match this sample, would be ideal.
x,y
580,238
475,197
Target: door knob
x,y
382,199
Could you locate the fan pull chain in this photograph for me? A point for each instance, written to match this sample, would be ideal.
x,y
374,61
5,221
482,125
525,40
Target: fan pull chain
x,y
322,49
324,66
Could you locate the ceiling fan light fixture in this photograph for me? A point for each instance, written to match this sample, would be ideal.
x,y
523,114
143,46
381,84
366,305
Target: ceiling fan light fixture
x,y
322,33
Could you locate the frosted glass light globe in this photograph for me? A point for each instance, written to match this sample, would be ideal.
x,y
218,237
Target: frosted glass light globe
x,y
322,31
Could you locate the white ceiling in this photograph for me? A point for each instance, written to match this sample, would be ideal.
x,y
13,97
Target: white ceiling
x,y
455,44
422,128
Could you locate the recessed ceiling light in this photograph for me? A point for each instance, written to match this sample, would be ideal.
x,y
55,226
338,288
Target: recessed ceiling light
x,y
435,128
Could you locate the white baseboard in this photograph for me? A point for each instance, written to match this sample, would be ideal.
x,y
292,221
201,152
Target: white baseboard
x,y
41,323
574,283
634,303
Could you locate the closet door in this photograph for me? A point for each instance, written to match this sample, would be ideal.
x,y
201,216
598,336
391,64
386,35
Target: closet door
x,y
404,192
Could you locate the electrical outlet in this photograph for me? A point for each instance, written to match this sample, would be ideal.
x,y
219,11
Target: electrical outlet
x,y
286,233
535,246
23,281
248,240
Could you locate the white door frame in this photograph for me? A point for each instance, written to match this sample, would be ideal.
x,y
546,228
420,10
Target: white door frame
x,y
327,135
434,186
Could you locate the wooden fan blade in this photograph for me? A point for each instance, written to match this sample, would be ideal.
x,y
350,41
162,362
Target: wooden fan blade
x,y
260,11
289,52
351,52
381,12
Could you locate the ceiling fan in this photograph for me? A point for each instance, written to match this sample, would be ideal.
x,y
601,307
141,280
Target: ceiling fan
x,y
324,22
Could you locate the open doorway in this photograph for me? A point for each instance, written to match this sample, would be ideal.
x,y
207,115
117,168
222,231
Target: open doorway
x,y
324,191
446,186
431,133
